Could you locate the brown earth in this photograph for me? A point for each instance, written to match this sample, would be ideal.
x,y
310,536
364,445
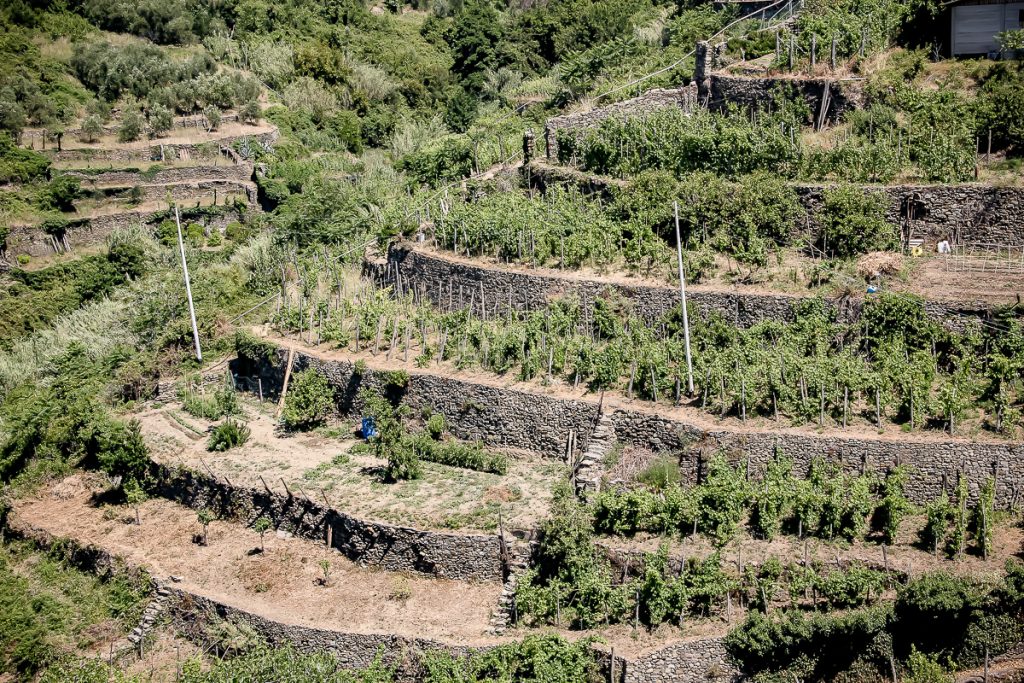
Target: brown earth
x,y
282,583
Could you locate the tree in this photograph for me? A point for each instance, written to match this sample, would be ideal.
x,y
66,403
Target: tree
x,y
309,401
205,517
122,450
160,119
135,496
250,112
61,193
853,222
131,126
389,443
261,526
476,33
212,115
91,129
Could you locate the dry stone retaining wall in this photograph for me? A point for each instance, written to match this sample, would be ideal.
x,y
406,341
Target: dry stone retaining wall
x,y
197,617
648,103
540,423
755,93
971,213
452,556
186,192
33,241
153,152
434,276
695,661
225,171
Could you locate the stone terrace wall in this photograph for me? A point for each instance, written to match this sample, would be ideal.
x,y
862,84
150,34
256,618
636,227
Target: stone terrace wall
x,y
754,93
650,102
970,212
695,661
195,617
188,192
224,171
452,556
433,275
473,412
533,421
33,241
960,213
152,153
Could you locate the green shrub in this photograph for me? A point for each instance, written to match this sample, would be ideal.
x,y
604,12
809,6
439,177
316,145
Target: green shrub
x,y
213,406
123,451
309,402
254,349
449,159
227,435
853,222
18,165
436,426
131,126
390,443
457,454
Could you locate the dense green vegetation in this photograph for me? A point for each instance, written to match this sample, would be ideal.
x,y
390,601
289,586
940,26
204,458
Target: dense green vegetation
x,y
945,618
403,450
49,609
36,298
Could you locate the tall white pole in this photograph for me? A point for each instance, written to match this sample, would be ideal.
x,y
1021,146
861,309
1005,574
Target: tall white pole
x,y
188,288
682,295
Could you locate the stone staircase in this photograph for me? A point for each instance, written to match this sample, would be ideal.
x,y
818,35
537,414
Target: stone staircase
x,y
591,466
519,562
150,616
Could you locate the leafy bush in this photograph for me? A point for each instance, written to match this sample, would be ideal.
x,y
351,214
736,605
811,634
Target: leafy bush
x,y
449,159
390,443
309,402
458,454
853,222
123,451
227,435
18,165
436,426
213,406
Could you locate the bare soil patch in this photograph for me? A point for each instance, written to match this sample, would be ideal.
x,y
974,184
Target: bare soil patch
x,y
319,463
280,583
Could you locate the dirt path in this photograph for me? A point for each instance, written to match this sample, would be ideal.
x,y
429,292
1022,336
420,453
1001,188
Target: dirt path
x,y
280,583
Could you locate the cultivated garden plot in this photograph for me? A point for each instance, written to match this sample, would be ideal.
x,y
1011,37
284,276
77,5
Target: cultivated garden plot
x,y
893,370
325,462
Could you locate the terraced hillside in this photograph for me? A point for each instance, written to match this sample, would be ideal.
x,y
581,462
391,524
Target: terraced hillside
x,y
587,341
